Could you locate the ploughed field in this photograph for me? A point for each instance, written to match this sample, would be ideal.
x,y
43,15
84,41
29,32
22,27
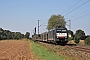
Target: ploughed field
x,y
15,50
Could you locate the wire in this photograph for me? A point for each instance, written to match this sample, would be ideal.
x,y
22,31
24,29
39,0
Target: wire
x,y
81,16
80,13
77,7
43,24
72,6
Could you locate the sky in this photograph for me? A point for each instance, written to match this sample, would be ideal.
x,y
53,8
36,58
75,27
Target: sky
x,y
23,15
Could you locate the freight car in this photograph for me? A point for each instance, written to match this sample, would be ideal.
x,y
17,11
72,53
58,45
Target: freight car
x,y
57,35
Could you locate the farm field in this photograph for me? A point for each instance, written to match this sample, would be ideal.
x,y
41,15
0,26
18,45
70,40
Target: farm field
x,y
30,50
15,50
25,50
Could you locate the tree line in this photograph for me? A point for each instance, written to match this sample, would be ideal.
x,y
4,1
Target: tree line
x,y
6,34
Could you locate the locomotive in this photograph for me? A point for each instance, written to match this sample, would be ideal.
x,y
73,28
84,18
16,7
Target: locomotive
x,y
58,35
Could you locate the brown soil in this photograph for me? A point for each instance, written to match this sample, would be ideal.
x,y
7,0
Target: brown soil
x,y
16,50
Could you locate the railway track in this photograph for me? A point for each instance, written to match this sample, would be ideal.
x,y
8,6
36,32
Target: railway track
x,y
80,48
76,51
72,46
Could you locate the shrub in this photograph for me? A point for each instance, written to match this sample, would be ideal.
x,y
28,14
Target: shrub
x,y
87,41
76,40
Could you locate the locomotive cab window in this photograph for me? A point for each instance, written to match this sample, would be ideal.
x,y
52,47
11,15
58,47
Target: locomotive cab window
x,y
61,31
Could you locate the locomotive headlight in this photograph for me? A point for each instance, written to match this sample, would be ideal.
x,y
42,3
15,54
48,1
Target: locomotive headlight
x,y
57,34
63,34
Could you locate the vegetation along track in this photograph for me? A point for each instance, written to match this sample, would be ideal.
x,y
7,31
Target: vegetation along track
x,y
76,51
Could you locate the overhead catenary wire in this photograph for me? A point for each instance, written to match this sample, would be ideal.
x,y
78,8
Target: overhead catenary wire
x,y
77,7
43,24
80,17
72,6
76,19
73,9
80,13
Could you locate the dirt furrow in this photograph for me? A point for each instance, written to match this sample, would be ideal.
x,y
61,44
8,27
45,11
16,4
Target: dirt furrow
x,y
16,50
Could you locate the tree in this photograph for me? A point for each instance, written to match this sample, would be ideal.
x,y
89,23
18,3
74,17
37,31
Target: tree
x,y
87,41
18,35
79,33
27,35
6,34
56,20
1,29
1,32
76,40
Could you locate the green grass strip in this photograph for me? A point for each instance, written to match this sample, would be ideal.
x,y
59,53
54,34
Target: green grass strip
x,y
44,54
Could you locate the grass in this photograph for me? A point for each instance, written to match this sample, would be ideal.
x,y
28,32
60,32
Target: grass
x,y
44,54
60,51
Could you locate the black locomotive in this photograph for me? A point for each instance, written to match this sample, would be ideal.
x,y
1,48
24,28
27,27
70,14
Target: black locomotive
x,y
57,35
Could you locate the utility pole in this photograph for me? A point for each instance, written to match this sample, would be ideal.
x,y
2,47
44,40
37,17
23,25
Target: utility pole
x,y
35,31
69,27
38,27
69,24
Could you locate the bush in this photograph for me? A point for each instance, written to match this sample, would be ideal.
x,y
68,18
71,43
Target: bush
x,y
76,40
87,41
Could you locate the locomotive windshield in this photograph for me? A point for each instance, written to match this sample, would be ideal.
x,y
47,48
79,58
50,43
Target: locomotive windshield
x,y
61,31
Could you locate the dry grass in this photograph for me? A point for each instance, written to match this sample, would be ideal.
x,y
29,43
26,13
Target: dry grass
x,y
82,42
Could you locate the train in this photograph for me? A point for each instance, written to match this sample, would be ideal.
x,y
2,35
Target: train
x,y
58,35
